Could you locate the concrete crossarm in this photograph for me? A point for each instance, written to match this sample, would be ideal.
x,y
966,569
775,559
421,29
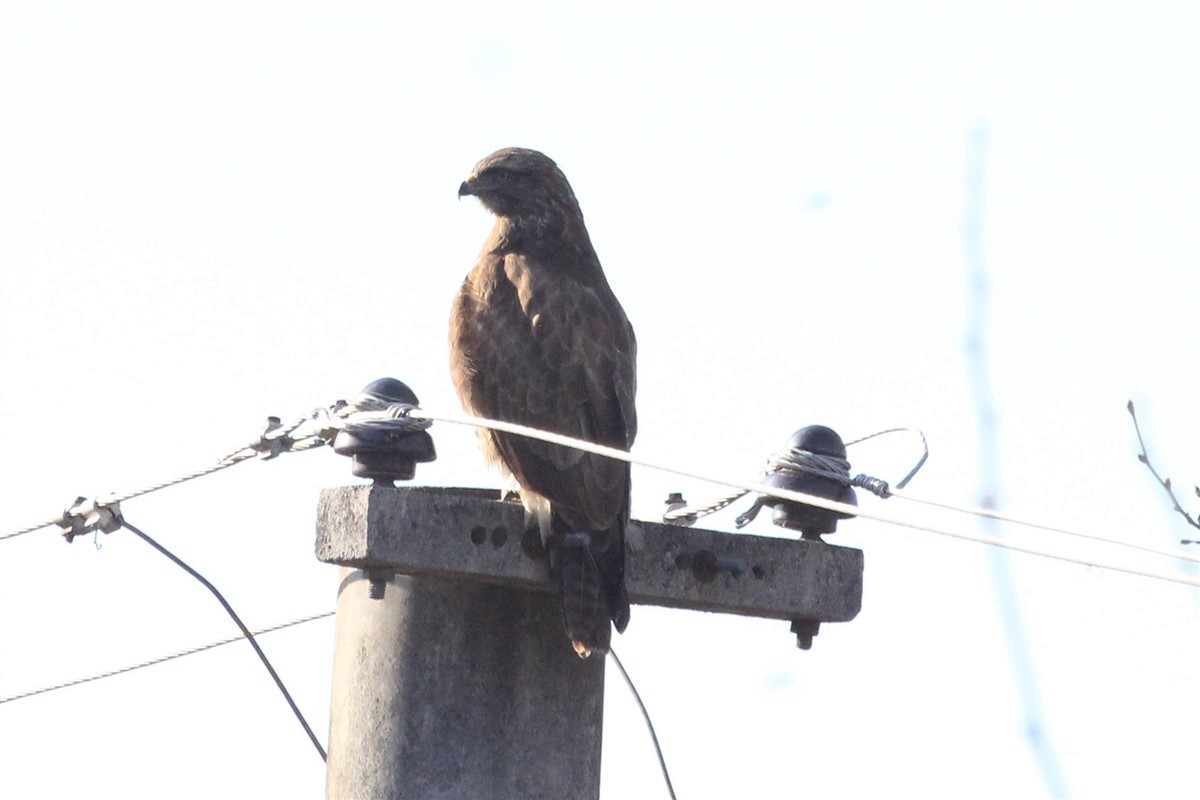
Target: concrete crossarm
x,y
470,535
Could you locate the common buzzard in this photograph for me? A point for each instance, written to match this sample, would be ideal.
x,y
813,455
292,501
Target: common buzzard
x,y
538,338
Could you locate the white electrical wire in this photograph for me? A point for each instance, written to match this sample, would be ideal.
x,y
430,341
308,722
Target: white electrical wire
x,y
161,659
301,434
401,413
904,494
785,494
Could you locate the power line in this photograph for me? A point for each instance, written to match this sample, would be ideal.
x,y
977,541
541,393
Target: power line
x,y
314,430
64,519
1001,517
319,427
376,413
241,625
662,762
161,659
796,497
794,460
788,460
300,621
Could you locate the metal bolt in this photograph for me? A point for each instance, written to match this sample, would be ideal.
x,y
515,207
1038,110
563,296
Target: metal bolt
x,y
379,579
805,630
675,502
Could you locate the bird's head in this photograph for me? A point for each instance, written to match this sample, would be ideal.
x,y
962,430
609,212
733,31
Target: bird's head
x,y
515,182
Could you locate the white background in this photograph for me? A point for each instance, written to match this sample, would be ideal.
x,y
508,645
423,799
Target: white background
x,y
212,212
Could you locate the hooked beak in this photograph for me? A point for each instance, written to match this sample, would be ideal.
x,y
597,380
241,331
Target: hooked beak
x,y
466,187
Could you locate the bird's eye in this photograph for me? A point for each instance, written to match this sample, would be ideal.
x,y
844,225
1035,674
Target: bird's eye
x,y
500,175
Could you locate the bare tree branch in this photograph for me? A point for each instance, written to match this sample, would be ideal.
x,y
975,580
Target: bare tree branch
x,y
1164,482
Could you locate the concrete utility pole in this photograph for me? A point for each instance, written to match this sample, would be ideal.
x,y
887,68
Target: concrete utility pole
x,y
452,675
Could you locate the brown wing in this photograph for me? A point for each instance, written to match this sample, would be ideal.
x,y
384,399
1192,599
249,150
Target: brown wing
x,y
540,348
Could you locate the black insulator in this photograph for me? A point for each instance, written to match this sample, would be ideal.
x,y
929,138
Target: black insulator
x,y
798,471
392,390
384,453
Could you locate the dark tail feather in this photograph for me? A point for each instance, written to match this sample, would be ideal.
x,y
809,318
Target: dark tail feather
x,y
591,574
584,609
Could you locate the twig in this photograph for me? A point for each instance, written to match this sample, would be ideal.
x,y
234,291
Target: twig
x,y
1164,482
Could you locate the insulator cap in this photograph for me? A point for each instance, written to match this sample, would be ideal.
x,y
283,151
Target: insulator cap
x,y
811,521
381,453
392,390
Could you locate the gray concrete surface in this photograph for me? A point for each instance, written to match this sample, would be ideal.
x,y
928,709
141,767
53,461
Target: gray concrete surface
x,y
460,683
448,690
469,535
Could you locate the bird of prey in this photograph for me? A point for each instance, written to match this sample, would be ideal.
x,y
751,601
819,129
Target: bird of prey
x,y
538,338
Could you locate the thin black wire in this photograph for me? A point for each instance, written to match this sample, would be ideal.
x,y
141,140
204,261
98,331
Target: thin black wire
x,y
365,411
688,514
245,631
662,762
159,660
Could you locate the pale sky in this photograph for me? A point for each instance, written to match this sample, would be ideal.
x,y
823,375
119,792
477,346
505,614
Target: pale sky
x,y
214,212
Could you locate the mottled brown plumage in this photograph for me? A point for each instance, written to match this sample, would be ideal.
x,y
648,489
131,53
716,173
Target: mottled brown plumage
x,y
538,338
